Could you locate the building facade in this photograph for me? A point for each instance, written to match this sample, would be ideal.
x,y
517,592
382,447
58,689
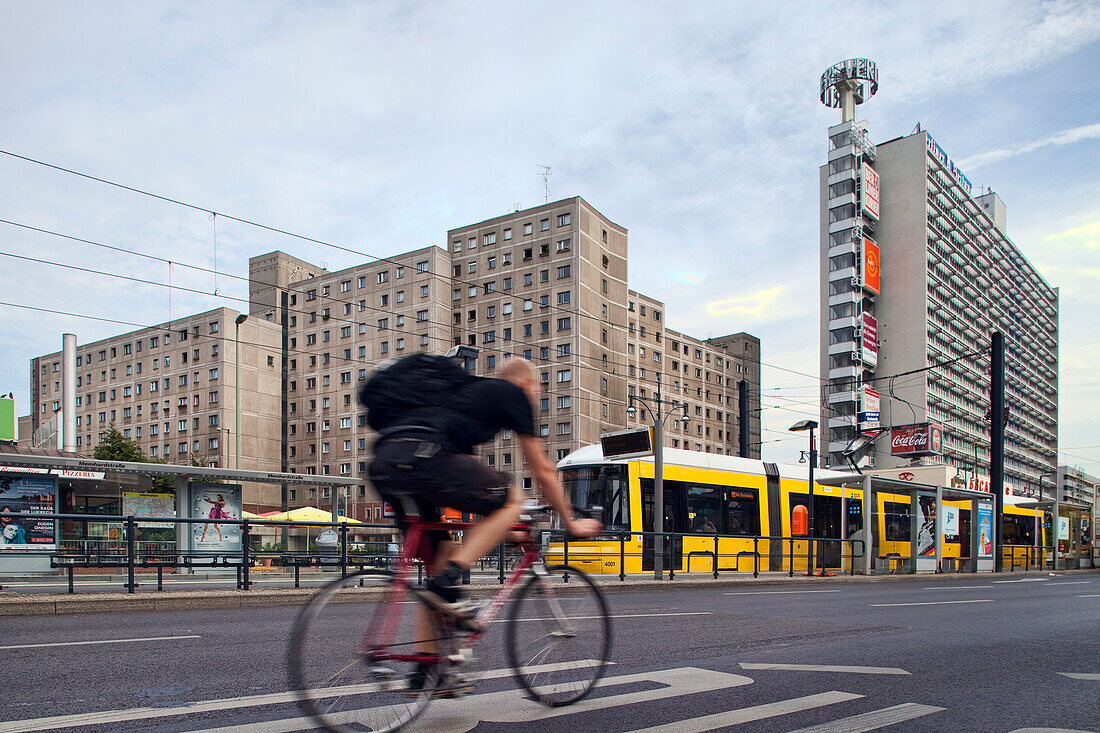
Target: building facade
x,y
916,274
547,283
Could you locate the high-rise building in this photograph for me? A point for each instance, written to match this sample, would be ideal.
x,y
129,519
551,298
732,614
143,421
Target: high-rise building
x,y
547,283
916,274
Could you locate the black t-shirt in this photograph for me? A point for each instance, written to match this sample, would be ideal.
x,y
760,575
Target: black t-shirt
x,y
477,411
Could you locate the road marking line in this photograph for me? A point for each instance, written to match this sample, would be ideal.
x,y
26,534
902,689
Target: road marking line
x,y
956,587
822,668
930,603
102,641
775,592
1048,730
874,720
507,706
749,714
617,615
1081,675
1072,582
1094,595
230,703
1022,580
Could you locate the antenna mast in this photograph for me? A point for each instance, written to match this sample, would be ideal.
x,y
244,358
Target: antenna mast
x,y
545,180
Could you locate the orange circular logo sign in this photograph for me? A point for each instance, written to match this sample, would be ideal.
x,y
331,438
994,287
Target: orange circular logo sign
x,y
872,264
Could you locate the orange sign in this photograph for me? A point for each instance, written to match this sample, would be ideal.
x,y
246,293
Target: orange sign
x,y
871,271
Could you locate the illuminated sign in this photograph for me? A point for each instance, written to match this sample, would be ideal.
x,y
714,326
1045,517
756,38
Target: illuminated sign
x,y
869,339
869,195
948,164
869,410
870,265
627,443
918,439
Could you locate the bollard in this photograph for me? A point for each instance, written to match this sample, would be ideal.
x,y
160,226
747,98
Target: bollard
x,y
500,563
714,564
131,584
246,581
791,573
344,550
756,557
671,553
565,558
622,557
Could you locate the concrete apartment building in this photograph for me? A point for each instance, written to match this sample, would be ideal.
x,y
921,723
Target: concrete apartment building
x,y
547,283
917,272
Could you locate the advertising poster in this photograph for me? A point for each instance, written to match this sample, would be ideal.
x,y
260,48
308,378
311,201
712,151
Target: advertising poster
x,y
869,339
136,504
26,495
870,191
871,273
1063,528
216,501
985,530
926,533
951,521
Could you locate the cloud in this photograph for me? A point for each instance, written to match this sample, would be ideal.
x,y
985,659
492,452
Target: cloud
x,y
755,305
1065,137
1086,236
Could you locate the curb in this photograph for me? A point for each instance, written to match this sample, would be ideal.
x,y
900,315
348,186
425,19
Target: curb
x,y
12,604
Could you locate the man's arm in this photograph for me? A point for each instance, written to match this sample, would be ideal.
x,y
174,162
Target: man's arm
x,y
550,486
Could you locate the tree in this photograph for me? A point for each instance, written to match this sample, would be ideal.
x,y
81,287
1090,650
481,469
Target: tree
x,y
113,446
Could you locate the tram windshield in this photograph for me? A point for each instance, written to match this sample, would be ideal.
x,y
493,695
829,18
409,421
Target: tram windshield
x,y
589,486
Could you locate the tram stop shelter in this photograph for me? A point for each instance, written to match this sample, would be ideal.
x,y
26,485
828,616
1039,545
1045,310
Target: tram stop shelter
x,y
929,519
194,487
1074,547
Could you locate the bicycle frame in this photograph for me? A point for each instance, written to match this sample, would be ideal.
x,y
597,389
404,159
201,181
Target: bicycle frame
x,y
390,617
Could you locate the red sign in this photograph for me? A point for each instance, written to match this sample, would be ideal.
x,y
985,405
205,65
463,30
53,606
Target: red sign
x,y
869,331
871,271
919,439
870,193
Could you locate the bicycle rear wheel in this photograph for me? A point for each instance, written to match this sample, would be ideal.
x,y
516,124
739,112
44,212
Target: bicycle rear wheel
x,y
559,636
354,655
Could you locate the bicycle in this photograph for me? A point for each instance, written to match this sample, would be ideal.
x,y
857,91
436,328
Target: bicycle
x,y
557,639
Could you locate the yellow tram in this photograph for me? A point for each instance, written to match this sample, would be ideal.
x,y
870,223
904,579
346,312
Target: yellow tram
x,y
710,494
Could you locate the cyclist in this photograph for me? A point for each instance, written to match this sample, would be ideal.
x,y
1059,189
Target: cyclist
x,y
435,465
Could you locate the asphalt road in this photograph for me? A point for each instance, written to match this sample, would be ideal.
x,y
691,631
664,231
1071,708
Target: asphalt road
x,y
937,653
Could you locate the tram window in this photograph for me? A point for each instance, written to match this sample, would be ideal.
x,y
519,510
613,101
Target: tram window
x,y
742,512
600,486
704,508
897,521
1018,530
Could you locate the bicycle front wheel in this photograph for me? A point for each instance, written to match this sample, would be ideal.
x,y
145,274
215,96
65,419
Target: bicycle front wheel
x,y
361,661
559,636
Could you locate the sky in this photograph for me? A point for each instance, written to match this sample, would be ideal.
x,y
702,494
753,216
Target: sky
x,y
378,126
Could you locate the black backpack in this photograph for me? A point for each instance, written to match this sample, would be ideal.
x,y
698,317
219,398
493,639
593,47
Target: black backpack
x,y
411,390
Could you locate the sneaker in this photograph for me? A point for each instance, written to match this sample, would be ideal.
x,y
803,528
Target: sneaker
x,y
451,686
461,610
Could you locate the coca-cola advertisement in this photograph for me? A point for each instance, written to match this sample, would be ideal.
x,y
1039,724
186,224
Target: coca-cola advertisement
x,y
918,439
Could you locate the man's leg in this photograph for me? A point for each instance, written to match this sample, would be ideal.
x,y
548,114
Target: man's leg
x,y
489,532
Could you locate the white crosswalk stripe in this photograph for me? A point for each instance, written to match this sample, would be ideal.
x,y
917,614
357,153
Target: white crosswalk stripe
x,y
873,720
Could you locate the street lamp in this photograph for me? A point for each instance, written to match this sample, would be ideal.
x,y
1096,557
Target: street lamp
x,y
227,440
810,425
241,318
665,408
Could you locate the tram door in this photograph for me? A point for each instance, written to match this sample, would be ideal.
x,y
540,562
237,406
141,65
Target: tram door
x,y
826,526
674,522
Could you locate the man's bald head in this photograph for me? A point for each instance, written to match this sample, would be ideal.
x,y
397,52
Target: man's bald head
x,y
517,371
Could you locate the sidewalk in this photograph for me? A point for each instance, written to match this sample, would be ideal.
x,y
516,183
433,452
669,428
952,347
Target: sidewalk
x,y
114,601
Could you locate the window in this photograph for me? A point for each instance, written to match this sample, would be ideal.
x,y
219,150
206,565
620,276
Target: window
x,y
544,276
507,234
563,297
492,263
383,276
544,225
528,279
564,324
422,315
487,239
423,291
563,245
506,309
528,304
565,375
527,228
565,402
362,281
456,246
564,428
213,329
422,266
564,219
471,268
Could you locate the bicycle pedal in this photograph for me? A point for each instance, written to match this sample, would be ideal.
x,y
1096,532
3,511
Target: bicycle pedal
x,y
463,656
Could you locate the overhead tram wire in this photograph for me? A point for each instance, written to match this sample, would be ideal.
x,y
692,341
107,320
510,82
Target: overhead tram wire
x,y
302,312
293,235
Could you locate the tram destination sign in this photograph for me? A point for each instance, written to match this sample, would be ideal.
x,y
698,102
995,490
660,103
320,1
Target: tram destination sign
x,y
627,443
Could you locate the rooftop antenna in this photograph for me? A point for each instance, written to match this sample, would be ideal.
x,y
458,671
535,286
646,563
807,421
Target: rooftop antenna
x,y
545,180
848,83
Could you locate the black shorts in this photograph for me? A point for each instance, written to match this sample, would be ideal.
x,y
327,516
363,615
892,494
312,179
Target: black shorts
x,y
421,468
